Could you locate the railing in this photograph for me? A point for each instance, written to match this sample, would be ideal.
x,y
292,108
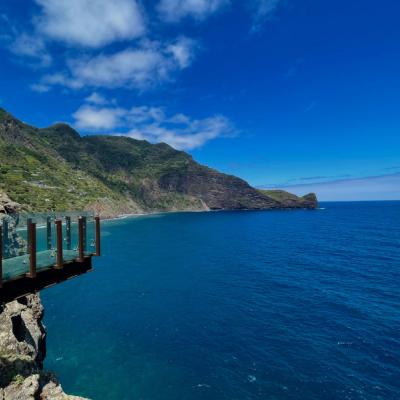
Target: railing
x,y
31,243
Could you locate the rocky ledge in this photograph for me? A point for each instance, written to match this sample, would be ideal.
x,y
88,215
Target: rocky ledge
x,y
7,206
22,352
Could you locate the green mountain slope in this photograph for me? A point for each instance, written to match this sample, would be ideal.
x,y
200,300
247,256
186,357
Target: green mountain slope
x,y
55,168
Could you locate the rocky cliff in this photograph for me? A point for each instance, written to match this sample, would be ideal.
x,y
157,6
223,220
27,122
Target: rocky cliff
x,y
22,351
56,168
309,201
23,344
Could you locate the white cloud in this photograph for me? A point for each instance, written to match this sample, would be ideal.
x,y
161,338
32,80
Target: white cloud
x,y
185,136
96,98
89,23
262,10
145,114
152,124
39,88
175,10
182,51
94,24
91,118
24,45
31,47
140,68
265,7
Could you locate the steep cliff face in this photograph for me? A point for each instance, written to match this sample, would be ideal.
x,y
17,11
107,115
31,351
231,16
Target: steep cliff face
x,y
289,200
218,191
22,351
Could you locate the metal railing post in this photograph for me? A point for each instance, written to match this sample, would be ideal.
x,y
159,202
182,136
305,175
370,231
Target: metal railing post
x,y
5,237
28,232
84,219
48,232
1,256
32,249
68,232
60,259
81,240
98,243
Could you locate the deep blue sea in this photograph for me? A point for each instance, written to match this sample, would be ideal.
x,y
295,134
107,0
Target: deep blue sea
x,y
277,305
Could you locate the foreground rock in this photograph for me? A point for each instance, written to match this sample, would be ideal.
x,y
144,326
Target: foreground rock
x,y
7,206
23,342
22,352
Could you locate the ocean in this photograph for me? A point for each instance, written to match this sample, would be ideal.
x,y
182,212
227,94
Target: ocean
x,y
279,305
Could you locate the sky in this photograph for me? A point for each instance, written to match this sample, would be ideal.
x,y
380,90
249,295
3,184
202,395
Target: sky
x,y
302,95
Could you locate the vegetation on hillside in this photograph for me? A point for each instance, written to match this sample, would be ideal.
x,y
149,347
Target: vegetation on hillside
x,y
57,169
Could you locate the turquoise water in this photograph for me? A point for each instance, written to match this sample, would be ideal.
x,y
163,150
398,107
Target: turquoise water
x,y
235,305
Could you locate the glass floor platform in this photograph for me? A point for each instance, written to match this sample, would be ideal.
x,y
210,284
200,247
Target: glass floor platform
x,y
19,266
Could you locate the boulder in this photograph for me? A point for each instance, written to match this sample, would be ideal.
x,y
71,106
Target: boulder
x,y
7,206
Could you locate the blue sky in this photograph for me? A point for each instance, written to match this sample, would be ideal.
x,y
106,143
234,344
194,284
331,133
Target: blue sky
x,y
298,94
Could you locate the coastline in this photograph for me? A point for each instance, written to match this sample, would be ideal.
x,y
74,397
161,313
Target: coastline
x,y
150,213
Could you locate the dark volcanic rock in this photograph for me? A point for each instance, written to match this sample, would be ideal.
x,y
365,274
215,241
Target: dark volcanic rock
x,y
310,200
226,192
289,200
218,191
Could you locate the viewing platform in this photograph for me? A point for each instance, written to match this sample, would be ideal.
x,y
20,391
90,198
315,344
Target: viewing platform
x,y
41,250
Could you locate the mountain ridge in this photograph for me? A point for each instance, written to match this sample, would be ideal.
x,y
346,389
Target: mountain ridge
x,y
55,168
